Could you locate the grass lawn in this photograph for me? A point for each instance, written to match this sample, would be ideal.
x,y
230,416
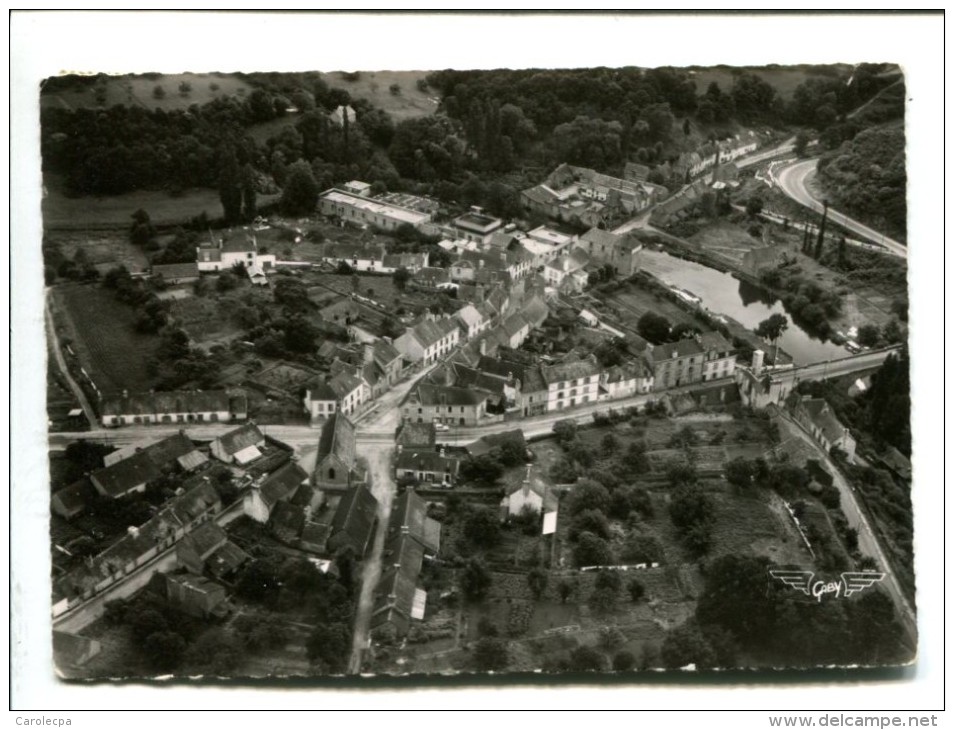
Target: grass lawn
x,y
61,212
138,90
104,338
783,79
375,87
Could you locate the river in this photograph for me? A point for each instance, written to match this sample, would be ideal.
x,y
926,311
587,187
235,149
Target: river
x,y
722,293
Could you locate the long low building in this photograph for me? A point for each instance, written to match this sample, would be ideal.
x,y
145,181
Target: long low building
x,y
174,406
360,209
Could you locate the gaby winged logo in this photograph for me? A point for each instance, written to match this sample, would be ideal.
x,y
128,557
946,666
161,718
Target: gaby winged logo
x,y
848,584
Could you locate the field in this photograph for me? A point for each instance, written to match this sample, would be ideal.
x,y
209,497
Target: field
x,y
375,87
784,80
138,90
104,249
102,333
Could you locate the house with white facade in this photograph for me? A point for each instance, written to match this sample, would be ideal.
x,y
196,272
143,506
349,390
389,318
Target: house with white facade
x,y
233,248
429,340
572,384
568,273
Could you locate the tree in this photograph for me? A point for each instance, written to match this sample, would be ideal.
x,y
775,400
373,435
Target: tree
x,y
801,143
636,460
623,661
329,646
586,659
475,579
490,654
592,550
216,652
301,191
740,473
654,327
636,590
484,468
592,521
753,206
686,645
158,92
565,431
230,184
482,527
142,230
537,581
588,495
565,589
401,277
164,649
772,329
869,335
610,445
821,230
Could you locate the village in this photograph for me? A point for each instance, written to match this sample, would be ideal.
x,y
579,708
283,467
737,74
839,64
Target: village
x,y
399,434
456,399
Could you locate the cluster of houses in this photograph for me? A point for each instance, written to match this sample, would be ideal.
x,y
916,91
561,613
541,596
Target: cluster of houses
x,y
583,196
475,387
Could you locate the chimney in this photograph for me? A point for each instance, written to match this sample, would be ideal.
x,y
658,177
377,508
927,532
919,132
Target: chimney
x,y
757,359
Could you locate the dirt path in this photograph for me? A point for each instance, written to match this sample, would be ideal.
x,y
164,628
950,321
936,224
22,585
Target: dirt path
x,y
378,456
61,363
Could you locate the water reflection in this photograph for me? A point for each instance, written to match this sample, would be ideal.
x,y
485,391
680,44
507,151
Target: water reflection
x,y
748,304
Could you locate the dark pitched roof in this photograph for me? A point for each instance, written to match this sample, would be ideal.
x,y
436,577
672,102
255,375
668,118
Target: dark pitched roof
x,y
570,370
338,438
176,271
303,495
441,395
355,516
401,565
74,498
343,384
468,377
241,438
169,449
226,559
714,341
127,474
427,332
287,521
535,311
281,484
426,461
321,391
385,353
671,350
417,435
206,538
409,516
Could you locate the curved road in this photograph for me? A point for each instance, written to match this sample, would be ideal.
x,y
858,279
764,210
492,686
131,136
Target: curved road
x,y
791,180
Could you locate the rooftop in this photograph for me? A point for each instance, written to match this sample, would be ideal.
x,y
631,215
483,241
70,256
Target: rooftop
x,y
405,215
478,222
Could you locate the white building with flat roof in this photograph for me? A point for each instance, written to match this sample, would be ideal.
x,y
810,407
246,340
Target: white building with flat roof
x,y
363,210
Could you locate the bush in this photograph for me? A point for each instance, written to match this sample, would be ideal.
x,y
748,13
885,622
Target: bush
x,y
624,661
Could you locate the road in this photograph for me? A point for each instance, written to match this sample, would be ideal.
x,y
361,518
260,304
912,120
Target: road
x,y
867,540
54,345
81,616
378,455
792,181
784,148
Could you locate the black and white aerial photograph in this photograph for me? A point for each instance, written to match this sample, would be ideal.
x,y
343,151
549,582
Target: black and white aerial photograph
x,y
585,373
